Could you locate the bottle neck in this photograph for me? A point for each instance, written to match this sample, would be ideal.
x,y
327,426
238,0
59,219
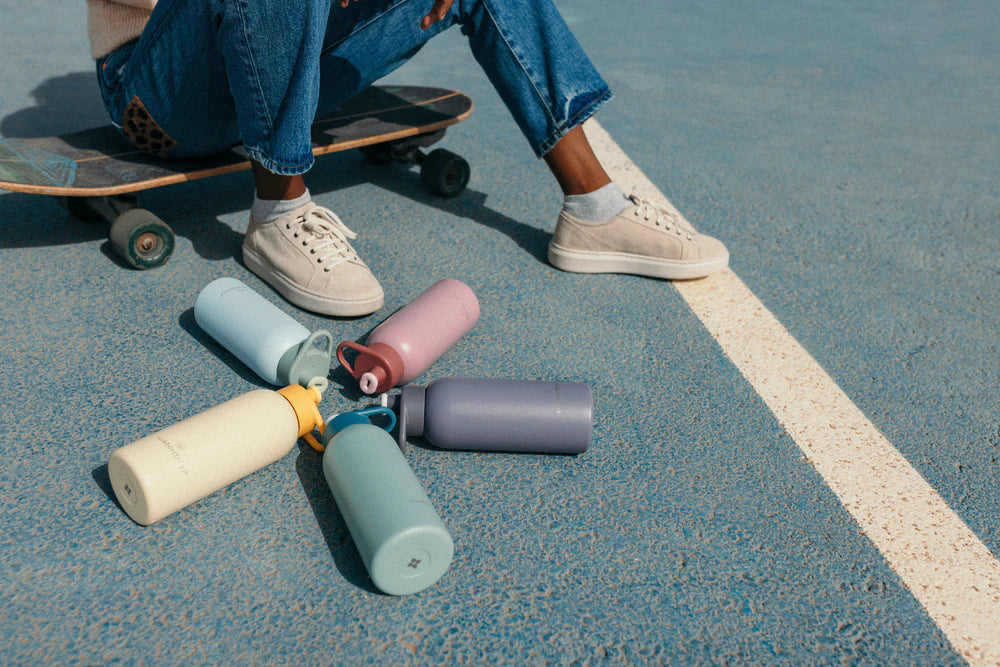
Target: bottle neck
x,y
409,406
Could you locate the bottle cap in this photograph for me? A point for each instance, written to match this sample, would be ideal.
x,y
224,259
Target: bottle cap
x,y
378,368
338,423
310,359
304,402
409,406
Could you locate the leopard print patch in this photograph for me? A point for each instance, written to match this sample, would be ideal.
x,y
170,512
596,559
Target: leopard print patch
x,y
142,130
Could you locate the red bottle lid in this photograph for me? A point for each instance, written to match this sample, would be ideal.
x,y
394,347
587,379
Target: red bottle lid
x,y
377,368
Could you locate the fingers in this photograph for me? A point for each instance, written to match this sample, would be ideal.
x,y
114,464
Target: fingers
x,y
438,12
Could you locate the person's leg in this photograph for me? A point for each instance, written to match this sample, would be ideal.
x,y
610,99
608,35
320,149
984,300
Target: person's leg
x,y
574,165
524,46
510,39
212,73
550,87
276,187
207,74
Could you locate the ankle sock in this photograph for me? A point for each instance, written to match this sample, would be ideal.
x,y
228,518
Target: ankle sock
x,y
266,210
597,206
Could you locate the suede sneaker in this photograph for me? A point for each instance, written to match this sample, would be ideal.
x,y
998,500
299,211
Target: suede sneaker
x,y
306,256
644,239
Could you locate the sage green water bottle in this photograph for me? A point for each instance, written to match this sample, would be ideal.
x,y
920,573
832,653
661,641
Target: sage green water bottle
x,y
402,540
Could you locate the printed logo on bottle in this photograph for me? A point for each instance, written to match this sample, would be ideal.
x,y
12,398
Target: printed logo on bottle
x,y
129,492
415,563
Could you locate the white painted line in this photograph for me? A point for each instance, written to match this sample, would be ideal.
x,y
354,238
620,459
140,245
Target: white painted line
x,y
942,562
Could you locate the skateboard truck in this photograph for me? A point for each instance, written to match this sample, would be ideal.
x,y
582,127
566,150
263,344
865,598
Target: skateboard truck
x,y
139,237
442,172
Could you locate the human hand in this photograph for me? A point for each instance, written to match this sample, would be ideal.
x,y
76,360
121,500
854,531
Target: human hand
x,y
437,13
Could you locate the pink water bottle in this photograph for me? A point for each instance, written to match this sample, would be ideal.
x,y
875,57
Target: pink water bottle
x,y
412,338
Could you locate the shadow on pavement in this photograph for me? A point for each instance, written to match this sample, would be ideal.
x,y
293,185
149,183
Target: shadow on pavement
x,y
309,467
62,104
72,102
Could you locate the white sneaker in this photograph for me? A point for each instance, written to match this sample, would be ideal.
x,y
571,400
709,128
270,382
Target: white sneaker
x,y
644,239
306,256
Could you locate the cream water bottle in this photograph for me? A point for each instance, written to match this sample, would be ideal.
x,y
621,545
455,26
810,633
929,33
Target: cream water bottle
x,y
164,472
402,540
255,331
499,415
414,337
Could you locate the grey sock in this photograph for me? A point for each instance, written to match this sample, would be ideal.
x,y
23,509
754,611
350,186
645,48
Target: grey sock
x,y
266,210
597,206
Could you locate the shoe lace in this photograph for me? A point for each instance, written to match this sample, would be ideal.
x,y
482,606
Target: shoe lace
x,y
325,236
668,218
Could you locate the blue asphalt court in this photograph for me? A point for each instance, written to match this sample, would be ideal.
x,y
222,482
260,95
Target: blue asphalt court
x,y
796,460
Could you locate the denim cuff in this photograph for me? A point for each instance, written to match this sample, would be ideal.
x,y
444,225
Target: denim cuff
x,y
599,98
275,167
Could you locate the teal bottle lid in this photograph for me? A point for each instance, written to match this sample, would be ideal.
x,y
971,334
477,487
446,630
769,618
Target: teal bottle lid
x,y
338,423
308,360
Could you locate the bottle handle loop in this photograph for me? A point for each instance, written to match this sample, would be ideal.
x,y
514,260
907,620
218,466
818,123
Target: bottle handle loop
x,y
320,384
360,349
380,410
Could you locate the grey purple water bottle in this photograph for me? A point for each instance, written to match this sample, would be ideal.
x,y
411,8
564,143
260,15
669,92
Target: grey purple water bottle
x,y
499,415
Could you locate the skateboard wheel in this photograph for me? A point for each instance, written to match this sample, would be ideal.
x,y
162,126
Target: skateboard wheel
x,y
445,173
141,239
79,208
377,153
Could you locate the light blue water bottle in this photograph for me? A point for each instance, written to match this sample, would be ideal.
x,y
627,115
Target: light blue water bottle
x,y
401,539
258,333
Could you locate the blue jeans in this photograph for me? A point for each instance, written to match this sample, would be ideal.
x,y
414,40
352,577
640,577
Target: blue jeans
x,y
208,74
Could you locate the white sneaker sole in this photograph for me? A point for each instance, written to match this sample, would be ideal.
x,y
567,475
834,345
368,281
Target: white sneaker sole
x,y
307,300
583,261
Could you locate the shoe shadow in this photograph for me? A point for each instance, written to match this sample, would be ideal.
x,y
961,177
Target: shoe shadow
x,y
397,179
194,210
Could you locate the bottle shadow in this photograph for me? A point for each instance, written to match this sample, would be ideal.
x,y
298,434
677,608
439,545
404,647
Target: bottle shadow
x,y
190,325
309,467
103,481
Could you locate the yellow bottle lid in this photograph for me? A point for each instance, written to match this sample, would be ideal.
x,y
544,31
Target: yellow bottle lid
x,y
305,403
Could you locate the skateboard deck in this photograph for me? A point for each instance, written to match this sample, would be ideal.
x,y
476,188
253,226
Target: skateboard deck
x,y
100,161
97,172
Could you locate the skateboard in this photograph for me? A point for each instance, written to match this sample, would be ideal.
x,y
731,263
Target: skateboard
x,y
97,174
